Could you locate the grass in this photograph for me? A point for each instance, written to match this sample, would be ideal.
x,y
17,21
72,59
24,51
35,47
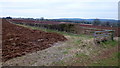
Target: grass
x,y
112,61
77,42
65,52
60,63
68,48
81,54
109,43
80,58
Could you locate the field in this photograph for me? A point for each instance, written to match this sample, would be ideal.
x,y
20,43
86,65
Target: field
x,y
32,21
25,45
78,28
117,33
18,40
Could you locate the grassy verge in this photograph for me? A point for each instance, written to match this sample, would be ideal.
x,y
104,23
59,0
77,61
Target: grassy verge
x,y
109,43
112,61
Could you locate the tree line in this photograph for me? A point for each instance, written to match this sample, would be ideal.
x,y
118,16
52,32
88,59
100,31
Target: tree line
x,y
95,22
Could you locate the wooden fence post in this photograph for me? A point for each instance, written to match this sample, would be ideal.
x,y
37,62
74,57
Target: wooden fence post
x,y
101,36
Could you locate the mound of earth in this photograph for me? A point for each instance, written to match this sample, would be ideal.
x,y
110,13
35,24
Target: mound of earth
x,y
18,40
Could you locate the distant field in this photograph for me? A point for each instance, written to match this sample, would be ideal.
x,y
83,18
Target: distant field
x,y
117,32
89,28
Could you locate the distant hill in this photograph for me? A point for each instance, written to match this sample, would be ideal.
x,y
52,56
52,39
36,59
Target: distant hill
x,y
90,20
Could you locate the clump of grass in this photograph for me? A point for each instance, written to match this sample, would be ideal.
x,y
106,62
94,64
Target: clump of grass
x,y
81,54
65,52
119,54
109,43
61,63
77,42
68,48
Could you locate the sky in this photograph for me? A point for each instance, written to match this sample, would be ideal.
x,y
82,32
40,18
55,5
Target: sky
x,y
103,9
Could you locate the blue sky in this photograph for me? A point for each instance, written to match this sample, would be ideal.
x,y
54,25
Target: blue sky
x,y
107,9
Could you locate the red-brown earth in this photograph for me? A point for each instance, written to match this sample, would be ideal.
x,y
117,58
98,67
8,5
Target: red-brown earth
x,y
18,40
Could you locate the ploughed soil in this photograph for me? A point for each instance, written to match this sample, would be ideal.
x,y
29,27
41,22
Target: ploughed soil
x,y
18,40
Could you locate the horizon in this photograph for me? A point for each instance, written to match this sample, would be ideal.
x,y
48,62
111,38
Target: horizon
x,y
60,18
54,9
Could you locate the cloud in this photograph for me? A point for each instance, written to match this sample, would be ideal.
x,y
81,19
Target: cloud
x,y
60,8
59,1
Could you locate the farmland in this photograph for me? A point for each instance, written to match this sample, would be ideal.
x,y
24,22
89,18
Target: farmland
x,y
18,40
77,28
117,33
44,43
